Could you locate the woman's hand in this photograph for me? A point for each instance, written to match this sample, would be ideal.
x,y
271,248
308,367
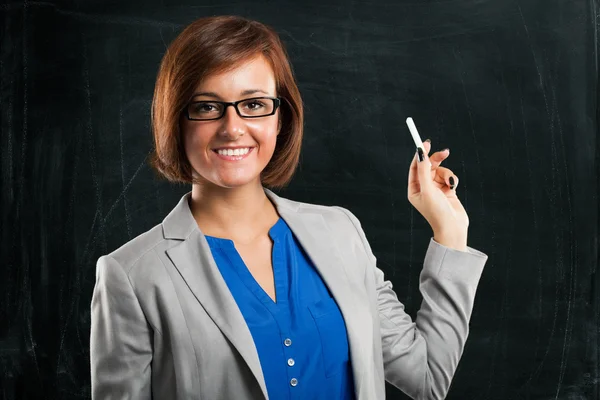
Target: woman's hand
x,y
430,192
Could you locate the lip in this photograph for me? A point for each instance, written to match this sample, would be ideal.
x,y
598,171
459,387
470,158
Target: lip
x,y
232,158
232,148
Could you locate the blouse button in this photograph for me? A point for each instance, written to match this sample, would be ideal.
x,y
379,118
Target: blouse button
x,y
294,382
291,362
287,342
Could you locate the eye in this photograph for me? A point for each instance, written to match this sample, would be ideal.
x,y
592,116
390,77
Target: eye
x,y
205,107
254,105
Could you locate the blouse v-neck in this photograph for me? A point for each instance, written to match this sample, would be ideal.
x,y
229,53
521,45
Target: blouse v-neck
x,y
280,273
301,339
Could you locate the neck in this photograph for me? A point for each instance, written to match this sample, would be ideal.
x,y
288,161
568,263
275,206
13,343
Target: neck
x,y
239,213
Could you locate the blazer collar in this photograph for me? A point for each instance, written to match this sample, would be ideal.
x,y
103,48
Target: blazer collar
x,y
195,263
180,223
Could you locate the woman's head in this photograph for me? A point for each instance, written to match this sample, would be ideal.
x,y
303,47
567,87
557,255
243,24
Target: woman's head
x,y
223,59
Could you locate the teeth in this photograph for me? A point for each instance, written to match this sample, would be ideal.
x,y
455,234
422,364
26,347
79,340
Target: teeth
x,y
236,152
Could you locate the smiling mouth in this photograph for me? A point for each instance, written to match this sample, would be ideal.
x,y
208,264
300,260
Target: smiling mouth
x,y
239,151
233,155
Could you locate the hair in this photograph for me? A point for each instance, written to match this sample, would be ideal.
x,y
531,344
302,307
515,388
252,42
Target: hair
x,y
213,45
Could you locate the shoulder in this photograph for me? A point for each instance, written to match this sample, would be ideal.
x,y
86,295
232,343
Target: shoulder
x,y
340,220
130,253
330,213
146,247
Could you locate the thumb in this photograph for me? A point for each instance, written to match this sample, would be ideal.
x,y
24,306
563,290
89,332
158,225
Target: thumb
x,y
424,167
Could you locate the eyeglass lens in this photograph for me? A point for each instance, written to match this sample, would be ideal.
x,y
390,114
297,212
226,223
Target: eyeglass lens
x,y
247,108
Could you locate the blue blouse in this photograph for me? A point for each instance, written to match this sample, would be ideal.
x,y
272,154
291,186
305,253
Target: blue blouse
x,y
301,338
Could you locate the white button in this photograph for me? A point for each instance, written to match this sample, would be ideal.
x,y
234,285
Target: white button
x,y
294,382
287,342
291,362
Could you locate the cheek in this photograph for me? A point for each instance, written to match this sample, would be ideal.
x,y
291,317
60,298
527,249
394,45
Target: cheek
x,y
194,138
264,133
187,134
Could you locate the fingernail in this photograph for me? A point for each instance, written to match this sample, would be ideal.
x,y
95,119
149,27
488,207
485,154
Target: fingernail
x,y
428,140
420,153
451,179
446,149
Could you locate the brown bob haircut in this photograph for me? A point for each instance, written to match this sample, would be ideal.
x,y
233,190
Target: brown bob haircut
x,y
212,45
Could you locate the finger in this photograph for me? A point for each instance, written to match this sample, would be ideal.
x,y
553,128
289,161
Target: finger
x,y
424,167
413,174
413,164
437,157
413,181
443,175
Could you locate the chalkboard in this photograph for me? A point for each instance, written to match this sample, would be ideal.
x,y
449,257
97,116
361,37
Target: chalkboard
x,y
511,87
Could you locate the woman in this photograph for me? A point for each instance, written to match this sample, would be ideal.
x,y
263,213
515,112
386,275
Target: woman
x,y
242,294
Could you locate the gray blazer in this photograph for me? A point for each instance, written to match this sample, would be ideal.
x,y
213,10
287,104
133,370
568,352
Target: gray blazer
x,y
164,324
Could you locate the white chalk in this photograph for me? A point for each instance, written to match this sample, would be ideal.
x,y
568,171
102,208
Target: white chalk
x,y
414,133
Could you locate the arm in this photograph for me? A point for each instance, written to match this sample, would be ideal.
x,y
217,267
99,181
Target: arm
x,y
120,337
420,357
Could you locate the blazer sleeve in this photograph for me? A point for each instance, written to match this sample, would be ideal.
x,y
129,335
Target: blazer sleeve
x,y
421,357
120,337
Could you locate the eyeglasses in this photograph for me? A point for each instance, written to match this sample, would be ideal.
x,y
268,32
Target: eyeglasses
x,y
255,107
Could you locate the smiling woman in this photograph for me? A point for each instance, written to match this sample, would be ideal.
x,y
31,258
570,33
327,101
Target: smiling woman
x,y
242,294
251,124
229,50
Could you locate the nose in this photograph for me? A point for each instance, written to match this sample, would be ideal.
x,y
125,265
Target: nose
x,y
232,125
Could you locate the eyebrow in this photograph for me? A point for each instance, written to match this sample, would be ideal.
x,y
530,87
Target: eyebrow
x,y
216,96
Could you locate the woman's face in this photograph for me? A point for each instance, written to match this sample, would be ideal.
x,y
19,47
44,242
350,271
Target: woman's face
x,y
202,139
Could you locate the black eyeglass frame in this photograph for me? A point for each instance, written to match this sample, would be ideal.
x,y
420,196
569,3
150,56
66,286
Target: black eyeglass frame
x,y
234,104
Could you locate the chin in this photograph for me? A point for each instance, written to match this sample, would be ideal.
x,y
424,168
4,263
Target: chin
x,y
230,179
235,182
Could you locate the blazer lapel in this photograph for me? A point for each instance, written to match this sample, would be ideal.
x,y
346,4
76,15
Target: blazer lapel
x,y
193,259
314,235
